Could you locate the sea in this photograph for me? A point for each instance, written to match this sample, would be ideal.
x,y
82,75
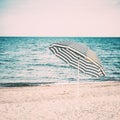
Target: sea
x,y
27,61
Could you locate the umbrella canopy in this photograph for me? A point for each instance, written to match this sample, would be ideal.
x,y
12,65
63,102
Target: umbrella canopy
x,y
78,56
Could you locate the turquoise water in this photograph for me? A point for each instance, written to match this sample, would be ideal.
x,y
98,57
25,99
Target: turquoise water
x,y
28,60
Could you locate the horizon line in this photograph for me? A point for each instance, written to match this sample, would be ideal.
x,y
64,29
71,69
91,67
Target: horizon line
x,y
58,36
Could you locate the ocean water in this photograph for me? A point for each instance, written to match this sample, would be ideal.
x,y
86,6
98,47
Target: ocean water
x,y
28,60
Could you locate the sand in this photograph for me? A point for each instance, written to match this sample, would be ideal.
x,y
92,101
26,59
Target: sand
x,y
96,101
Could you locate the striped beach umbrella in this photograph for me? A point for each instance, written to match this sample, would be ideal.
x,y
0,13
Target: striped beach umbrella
x,y
79,56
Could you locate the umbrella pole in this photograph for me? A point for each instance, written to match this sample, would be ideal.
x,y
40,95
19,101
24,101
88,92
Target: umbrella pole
x,y
78,87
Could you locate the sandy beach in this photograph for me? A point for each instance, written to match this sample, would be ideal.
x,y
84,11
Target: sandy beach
x,y
96,101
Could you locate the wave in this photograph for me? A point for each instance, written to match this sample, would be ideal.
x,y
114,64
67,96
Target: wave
x,y
24,84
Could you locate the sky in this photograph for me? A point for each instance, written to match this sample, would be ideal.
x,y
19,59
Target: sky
x,y
60,18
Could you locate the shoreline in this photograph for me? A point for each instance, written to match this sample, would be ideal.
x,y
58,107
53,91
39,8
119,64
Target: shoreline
x,y
96,101
33,84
